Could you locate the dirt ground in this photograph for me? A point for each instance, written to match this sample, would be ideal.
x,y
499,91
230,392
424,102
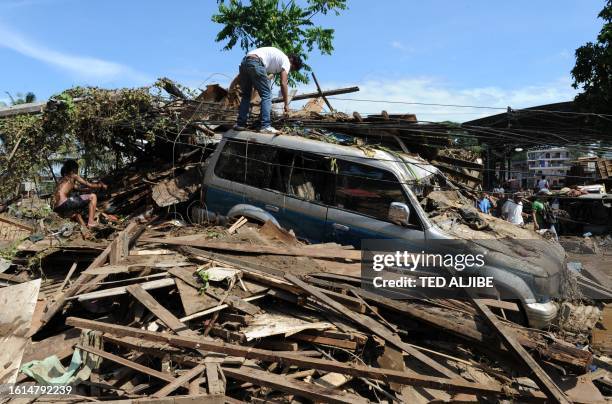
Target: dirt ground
x,y
590,252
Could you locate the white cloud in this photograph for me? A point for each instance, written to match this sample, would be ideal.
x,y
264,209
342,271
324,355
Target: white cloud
x,y
433,91
82,67
401,46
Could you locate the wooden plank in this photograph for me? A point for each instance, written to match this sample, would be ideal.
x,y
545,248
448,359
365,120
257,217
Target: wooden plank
x,y
16,223
409,378
242,305
474,330
304,251
190,399
160,312
279,382
317,94
215,384
331,109
318,339
17,303
218,308
121,290
552,391
68,276
372,326
132,365
53,307
501,304
192,300
186,276
13,278
179,381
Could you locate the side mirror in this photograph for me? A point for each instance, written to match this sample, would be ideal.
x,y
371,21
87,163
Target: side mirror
x,y
399,213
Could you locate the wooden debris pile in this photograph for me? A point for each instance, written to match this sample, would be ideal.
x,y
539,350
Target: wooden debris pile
x,y
250,314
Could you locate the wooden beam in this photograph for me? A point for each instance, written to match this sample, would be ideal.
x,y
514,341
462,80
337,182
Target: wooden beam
x,y
179,381
53,307
373,326
29,108
553,392
331,109
470,328
68,276
160,312
305,96
408,378
305,251
283,383
132,365
215,384
218,308
122,290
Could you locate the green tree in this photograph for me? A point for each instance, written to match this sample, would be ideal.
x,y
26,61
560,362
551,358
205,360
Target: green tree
x,y
593,70
287,26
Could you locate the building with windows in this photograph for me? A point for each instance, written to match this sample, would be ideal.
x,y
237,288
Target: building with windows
x,y
553,162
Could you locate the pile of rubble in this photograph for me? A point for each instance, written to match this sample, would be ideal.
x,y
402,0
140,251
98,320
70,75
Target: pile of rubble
x,y
249,313
157,309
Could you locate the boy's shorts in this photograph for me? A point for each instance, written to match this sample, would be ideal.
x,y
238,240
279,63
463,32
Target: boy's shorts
x,y
72,205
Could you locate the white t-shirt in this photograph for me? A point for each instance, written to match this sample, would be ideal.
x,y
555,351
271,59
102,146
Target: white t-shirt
x,y
543,184
513,212
273,59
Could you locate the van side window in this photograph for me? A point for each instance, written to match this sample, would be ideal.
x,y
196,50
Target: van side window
x,y
311,178
368,190
232,163
251,164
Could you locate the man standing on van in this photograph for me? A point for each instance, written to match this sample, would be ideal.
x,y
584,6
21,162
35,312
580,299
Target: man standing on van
x,y
254,70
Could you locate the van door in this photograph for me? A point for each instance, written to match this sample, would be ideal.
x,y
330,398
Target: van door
x,y
244,173
309,189
362,198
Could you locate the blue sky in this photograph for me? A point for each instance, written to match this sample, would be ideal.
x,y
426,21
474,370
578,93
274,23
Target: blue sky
x,y
468,52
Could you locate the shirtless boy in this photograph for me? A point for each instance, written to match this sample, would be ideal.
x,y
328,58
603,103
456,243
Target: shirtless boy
x,y
67,204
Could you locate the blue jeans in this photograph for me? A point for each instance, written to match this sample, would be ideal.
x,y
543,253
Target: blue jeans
x,y
253,74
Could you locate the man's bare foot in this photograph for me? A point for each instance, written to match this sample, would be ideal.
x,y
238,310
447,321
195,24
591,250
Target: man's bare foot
x,y
93,225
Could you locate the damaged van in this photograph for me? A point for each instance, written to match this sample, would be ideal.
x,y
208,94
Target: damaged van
x,y
326,191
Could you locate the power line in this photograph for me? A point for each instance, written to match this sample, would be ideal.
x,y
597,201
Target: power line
x,y
473,106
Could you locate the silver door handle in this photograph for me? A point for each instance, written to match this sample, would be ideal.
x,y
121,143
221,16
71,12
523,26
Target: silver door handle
x,y
272,208
339,226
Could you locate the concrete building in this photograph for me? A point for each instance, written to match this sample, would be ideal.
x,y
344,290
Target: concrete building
x,y
553,162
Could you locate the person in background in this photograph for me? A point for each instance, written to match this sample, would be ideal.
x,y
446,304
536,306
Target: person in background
x,y
254,70
512,211
543,217
484,205
543,184
498,189
67,204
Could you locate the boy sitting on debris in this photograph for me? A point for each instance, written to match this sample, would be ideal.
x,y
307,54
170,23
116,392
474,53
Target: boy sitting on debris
x,y
67,204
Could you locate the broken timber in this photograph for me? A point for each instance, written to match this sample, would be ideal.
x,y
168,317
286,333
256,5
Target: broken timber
x,y
541,378
408,378
335,253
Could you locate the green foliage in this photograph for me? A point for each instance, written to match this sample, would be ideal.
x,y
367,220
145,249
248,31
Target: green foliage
x,y
593,70
103,127
203,274
287,26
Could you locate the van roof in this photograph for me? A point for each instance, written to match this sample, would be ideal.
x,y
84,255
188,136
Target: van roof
x,y
408,167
